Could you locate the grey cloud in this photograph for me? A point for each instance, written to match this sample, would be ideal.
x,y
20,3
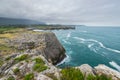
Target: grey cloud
x,y
90,12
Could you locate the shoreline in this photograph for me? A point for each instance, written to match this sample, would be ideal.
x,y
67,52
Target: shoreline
x,y
41,51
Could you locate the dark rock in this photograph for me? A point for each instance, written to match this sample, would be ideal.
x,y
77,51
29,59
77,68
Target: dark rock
x,y
54,51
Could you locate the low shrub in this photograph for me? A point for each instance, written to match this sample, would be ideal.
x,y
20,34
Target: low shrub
x,y
91,77
103,77
1,62
29,76
71,74
39,65
39,60
21,58
16,70
76,74
11,78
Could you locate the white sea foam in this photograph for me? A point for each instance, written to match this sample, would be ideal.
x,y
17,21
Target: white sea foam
x,y
38,30
90,45
66,41
83,31
79,38
68,35
66,60
95,41
115,65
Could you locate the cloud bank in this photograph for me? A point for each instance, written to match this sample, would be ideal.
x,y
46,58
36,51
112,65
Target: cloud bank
x,y
88,12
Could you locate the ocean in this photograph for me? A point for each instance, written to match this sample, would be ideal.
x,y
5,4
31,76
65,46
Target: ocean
x,y
91,45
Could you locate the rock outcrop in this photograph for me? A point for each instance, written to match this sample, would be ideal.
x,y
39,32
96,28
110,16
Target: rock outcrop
x,y
99,70
102,69
86,69
44,43
54,51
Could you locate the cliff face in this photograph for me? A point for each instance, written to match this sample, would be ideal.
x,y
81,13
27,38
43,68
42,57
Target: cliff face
x,y
54,51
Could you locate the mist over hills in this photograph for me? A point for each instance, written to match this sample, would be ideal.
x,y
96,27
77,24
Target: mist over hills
x,y
15,21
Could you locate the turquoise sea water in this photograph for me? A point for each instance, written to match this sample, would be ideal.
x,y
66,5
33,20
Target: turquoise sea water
x,y
91,45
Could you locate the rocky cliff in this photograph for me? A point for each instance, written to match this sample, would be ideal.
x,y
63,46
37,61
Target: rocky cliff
x,y
44,43
38,52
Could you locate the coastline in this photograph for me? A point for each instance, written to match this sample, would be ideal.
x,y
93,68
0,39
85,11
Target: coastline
x,y
46,46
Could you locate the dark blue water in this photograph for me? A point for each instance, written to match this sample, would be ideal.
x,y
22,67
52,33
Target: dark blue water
x,y
91,45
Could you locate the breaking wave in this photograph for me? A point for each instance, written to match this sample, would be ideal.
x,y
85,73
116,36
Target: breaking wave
x,y
65,60
115,65
66,42
38,30
97,42
68,35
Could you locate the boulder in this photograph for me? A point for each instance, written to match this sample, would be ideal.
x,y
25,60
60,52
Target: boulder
x,y
86,69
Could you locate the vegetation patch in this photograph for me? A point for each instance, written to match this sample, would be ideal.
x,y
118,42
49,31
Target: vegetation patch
x,y
39,65
71,74
76,74
16,71
103,77
1,62
29,76
21,58
91,77
11,78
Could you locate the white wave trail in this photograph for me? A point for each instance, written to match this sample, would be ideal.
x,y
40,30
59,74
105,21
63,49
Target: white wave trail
x,y
68,35
101,45
66,42
115,65
38,30
83,31
90,45
67,59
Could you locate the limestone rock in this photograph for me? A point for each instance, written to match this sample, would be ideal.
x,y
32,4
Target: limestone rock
x,y
45,43
86,69
102,69
43,77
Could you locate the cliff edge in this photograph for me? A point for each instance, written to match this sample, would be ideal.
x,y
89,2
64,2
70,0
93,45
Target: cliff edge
x,y
35,57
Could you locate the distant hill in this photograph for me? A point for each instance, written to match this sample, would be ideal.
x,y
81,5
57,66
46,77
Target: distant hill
x,y
13,21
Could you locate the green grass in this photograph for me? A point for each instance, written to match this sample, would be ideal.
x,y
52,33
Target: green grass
x,y
91,77
76,74
100,77
29,76
11,78
39,65
39,60
1,62
21,58
8,29
103,77
71,74
16,71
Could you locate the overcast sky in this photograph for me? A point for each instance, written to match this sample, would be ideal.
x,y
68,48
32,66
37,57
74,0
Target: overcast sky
x,y
88,12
